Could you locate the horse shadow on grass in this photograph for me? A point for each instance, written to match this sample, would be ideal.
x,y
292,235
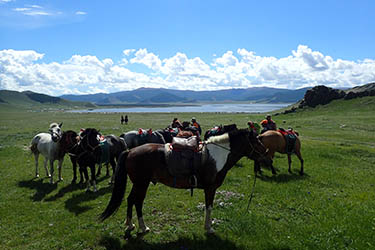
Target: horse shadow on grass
x,y
70,188
211,242
73,204
283,178
42,188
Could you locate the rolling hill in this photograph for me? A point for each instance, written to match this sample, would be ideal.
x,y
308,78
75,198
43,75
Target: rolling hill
x,y
161,95
28,99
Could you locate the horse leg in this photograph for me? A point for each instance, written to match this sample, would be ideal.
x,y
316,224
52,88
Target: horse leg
x,y
209,199
74,163
128,223
93,177
36,156
141,190
289,163
59,167
81,175
257,168
99,170
45,167
85,172
113,165
51,170
271,155
298,153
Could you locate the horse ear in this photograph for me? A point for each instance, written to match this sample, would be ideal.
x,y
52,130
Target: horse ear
x,y
60,125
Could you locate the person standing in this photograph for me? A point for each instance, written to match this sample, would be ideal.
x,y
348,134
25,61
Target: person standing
x,y
122,120
194,123
126,119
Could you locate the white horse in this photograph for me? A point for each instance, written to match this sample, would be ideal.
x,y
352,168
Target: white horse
x,y
48,145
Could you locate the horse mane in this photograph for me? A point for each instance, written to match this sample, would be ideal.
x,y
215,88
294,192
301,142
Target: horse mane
x,y
218,139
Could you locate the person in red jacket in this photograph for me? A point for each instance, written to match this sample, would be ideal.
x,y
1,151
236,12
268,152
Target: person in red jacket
x,y
268,124
194,123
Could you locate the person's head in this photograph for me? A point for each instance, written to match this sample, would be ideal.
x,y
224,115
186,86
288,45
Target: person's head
x,y
250,123
268,117
175,119
193,119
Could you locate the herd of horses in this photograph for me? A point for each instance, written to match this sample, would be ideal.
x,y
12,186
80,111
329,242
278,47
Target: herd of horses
x,y
147,156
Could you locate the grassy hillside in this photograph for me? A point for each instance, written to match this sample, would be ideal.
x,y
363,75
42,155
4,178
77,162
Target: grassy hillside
x,y
13,100
331,207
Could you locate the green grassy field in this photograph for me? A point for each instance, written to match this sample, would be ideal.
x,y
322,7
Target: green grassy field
x,y
331,207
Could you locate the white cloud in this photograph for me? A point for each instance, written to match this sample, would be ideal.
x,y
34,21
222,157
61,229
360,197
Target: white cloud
x,y
25,70
35,10
80,13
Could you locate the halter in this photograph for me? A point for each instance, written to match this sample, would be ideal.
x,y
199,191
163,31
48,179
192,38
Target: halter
x,y
251,145
88,144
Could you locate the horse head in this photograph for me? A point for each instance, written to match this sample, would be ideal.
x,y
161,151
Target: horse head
x,y
90,141
251,146
55,131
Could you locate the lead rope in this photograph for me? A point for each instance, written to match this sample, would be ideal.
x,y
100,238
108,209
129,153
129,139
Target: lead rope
x,y
252,193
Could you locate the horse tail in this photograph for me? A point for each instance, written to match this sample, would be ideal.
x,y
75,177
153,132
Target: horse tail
x,y
118,189
34,145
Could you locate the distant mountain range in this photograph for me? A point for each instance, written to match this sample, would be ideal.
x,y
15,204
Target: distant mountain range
x,y
161,95
28,99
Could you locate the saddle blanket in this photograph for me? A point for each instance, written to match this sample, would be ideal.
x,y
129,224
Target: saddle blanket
x,y
104,147
184,162
290,139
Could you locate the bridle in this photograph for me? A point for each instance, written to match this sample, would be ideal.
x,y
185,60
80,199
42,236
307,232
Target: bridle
x,y
93,148
253,149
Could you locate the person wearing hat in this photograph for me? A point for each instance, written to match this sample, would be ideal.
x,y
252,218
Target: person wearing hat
x,y
268,124
254,126
176,123
194,123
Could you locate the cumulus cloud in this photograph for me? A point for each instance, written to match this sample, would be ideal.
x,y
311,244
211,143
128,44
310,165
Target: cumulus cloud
x,y
80,13
25,70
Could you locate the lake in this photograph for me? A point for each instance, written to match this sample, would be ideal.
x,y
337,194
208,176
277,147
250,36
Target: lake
x,y
224,108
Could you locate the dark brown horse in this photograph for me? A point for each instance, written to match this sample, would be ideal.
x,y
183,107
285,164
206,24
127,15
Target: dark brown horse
x,y
275,141
147,163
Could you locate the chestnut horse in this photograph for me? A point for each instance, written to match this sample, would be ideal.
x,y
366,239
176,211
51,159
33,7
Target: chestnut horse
x,y
148,163
275,141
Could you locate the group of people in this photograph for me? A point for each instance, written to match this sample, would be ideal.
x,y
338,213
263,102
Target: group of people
x,y
267,124
124,120
177,124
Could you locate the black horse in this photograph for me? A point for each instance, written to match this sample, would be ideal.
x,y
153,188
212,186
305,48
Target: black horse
x,y
219,130
147,163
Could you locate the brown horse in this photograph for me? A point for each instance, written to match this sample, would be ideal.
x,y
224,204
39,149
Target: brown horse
x,y
275,141
148,163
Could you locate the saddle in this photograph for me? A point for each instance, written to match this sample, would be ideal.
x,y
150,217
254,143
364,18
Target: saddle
x,y
290,139
184,157
190,143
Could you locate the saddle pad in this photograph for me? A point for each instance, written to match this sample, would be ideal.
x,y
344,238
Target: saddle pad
x,y
104,147
184,162
290,139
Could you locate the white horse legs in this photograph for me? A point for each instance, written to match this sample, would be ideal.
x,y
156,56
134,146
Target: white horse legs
x,y
59,166
36,156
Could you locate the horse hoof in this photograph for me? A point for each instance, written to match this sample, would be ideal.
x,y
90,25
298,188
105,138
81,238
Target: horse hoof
x,y
37,175
301,173
290,171
210,231
144,231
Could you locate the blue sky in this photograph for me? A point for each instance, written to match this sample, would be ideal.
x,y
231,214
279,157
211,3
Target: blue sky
x,y
61,47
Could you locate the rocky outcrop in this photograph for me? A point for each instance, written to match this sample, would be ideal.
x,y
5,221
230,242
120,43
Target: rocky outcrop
x,y
321,95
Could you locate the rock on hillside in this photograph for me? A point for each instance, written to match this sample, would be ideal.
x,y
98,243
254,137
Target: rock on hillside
x,y
361,91
321,95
